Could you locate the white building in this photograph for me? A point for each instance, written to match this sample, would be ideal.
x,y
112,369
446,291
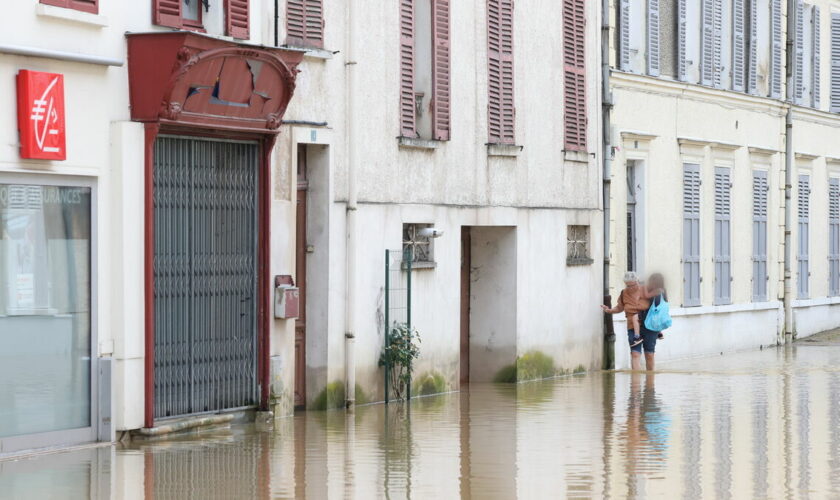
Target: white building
x,y
698,186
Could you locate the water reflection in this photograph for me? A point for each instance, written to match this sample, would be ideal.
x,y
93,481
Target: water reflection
x,y
753,425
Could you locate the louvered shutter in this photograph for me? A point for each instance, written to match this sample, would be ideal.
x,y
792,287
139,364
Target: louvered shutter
x,y
804,218
91,6
682,48
707,43
717,49
624,35
776,70
691,234
799,54
305,23
815,97
759,253
574,75
752,53
501,113
407,109
834,236
739,45
723,234
835,63
441,73
167,13
237,19
653,37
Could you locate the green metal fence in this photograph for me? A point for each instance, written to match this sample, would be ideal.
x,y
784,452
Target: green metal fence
x,y
397,304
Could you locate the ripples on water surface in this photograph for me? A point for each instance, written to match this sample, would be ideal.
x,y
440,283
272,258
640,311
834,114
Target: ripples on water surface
x,y
764,424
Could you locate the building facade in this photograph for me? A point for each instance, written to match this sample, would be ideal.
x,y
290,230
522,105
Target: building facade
x,y
700,195
206,156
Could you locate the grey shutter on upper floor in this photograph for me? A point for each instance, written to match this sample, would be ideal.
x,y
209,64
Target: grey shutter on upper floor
x,y
804,217
834,236
739,49
624,35
776,69
815,97
707,43
835,63
723,236
761,190
691,235
752,55
717,53
799,54
682,28
653,37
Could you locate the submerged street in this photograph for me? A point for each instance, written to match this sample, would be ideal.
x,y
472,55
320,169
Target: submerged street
x,y
761,424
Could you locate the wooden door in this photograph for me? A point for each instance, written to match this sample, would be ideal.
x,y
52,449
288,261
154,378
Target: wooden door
x,y
466,262
300,273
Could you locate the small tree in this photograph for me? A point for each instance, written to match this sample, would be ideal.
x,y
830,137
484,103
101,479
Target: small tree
x,y
401,348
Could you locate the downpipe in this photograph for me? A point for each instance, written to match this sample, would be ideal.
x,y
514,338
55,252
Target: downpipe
x,y
352,205
606,109
789,155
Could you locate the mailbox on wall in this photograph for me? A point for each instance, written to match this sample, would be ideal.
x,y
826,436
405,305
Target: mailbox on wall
x,y
286,298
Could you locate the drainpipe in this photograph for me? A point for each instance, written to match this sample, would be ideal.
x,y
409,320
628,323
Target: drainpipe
x,y
606,108
352,198
789,97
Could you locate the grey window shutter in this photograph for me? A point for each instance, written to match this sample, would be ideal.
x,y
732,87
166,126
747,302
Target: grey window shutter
x,y
691,234
799,54
776,70
752,55
835,63
739,49
834,236
759,253
624,35
723,220
682,31
707,43
717,55
653,37
804,217
815,97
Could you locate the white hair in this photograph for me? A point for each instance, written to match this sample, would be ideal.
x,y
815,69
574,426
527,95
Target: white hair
x,y
630,276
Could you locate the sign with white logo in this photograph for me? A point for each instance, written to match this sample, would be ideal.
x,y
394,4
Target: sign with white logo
x,y
41,115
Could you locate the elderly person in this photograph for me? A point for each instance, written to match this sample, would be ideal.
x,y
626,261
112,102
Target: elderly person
x,y
634,301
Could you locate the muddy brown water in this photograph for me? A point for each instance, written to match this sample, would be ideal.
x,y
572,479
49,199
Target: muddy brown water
x,y
763,424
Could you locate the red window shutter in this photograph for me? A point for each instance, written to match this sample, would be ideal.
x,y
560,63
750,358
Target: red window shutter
x,y
407,112
441,73
237,19
574,75
167,13
305,23
91,6
501,112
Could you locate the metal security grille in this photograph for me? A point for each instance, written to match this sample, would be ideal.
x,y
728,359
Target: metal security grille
x,y
205,257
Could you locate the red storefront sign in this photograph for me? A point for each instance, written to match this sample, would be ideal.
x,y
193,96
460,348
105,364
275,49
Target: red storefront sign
x,y
41,115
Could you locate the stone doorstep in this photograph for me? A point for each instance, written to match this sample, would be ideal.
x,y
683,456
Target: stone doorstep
x,y
186,424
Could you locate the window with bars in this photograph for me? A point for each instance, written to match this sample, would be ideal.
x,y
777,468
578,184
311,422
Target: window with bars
x,y
691,235
91,6
419,246
577,246
804,226
305,23
834,236
723,236
188,14
761,190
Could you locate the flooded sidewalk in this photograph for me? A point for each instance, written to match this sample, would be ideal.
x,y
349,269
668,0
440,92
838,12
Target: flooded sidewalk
x,y
762,424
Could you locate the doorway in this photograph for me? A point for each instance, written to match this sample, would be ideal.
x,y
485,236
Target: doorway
x,y
300,274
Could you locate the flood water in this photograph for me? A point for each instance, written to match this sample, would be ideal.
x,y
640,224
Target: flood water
x,y
763,424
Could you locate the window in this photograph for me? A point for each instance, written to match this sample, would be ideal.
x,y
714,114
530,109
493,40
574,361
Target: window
x,y
632,219
91,6
723,235
691,234
501,113
305,23
804,218
834,236
761,190
419,244
574,75
577,246
188,14
424,69
807,55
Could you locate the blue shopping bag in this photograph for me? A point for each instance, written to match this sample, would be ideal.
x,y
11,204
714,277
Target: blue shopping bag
x,y
659,316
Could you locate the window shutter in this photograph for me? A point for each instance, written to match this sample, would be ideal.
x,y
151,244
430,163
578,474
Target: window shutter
x,y
835,63
236,19
91,6
574,75
407,110
752,63
717,54
804,213
834,236
776,69
816,62
305,23
707,44
799,54
691,234
501,113
759,254
624,35
441,73
723,218
739,48
167,13
653,38
682,32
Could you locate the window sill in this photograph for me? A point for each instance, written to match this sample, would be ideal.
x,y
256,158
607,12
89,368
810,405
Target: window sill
x,y
414,143
72,15
586,261
310,52
577,156
418,266
509,150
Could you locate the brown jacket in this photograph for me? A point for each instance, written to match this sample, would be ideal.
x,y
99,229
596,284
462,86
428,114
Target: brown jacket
x,y
633,300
